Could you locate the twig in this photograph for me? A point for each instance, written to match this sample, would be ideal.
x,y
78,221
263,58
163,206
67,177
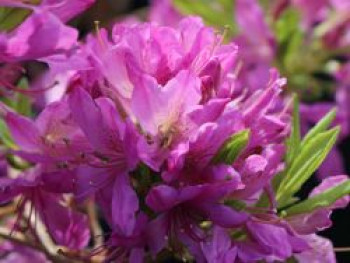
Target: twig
x,y
96,230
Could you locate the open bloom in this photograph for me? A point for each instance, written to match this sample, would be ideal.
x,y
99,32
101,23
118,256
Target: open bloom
x,y
154,125
66,226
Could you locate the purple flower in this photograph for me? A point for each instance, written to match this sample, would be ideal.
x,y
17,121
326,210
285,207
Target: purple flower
x,y
140,121
66,9
51,139
163,113
189,47
113,156
164,13
319,219
67,227
256,44
181,211
132,246
220,248
312,11
63,9
12,253
42,34
321,250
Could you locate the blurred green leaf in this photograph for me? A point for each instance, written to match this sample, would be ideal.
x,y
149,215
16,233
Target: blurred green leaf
x,y
219,14
324,199
238,205
5,136
10,18
287,25
290,41
22,103
232,148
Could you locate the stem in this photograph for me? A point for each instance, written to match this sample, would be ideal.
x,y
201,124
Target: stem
x,y
342,249
96,230
7,210
53,258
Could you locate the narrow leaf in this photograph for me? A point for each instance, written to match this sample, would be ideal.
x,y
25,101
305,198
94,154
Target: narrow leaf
x,y
22,101
321,126
232,148
309,159
5,137
324,199
293,143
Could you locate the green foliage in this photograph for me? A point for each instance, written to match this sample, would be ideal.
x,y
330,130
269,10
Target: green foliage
x,y
287,25
232,148
12,17
219,14
5,137
21,102
236,204
304,157
324,199
293,142
321,126
290,42
306,163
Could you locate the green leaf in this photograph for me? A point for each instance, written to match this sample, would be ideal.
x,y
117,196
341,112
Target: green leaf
x,y
215,13
293,142
292,260
290,42
287,25
311,156
236,204
11,17
321,126
22,103
232,148
227,4
266,4
324,199
5,136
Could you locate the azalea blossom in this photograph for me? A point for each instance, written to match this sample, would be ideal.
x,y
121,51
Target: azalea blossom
x,y
158,134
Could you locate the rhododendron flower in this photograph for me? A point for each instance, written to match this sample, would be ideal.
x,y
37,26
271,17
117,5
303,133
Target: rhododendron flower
x,y
51,138
66,226
321,251
155,132
12,252
30,40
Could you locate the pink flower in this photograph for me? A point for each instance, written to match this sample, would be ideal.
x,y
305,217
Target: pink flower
x,y
321,250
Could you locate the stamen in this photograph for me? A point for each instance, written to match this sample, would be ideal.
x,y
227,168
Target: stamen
x,y
224,34
238,68
98,33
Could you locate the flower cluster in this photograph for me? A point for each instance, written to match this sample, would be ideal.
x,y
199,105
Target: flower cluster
x,y
307,40
156,128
